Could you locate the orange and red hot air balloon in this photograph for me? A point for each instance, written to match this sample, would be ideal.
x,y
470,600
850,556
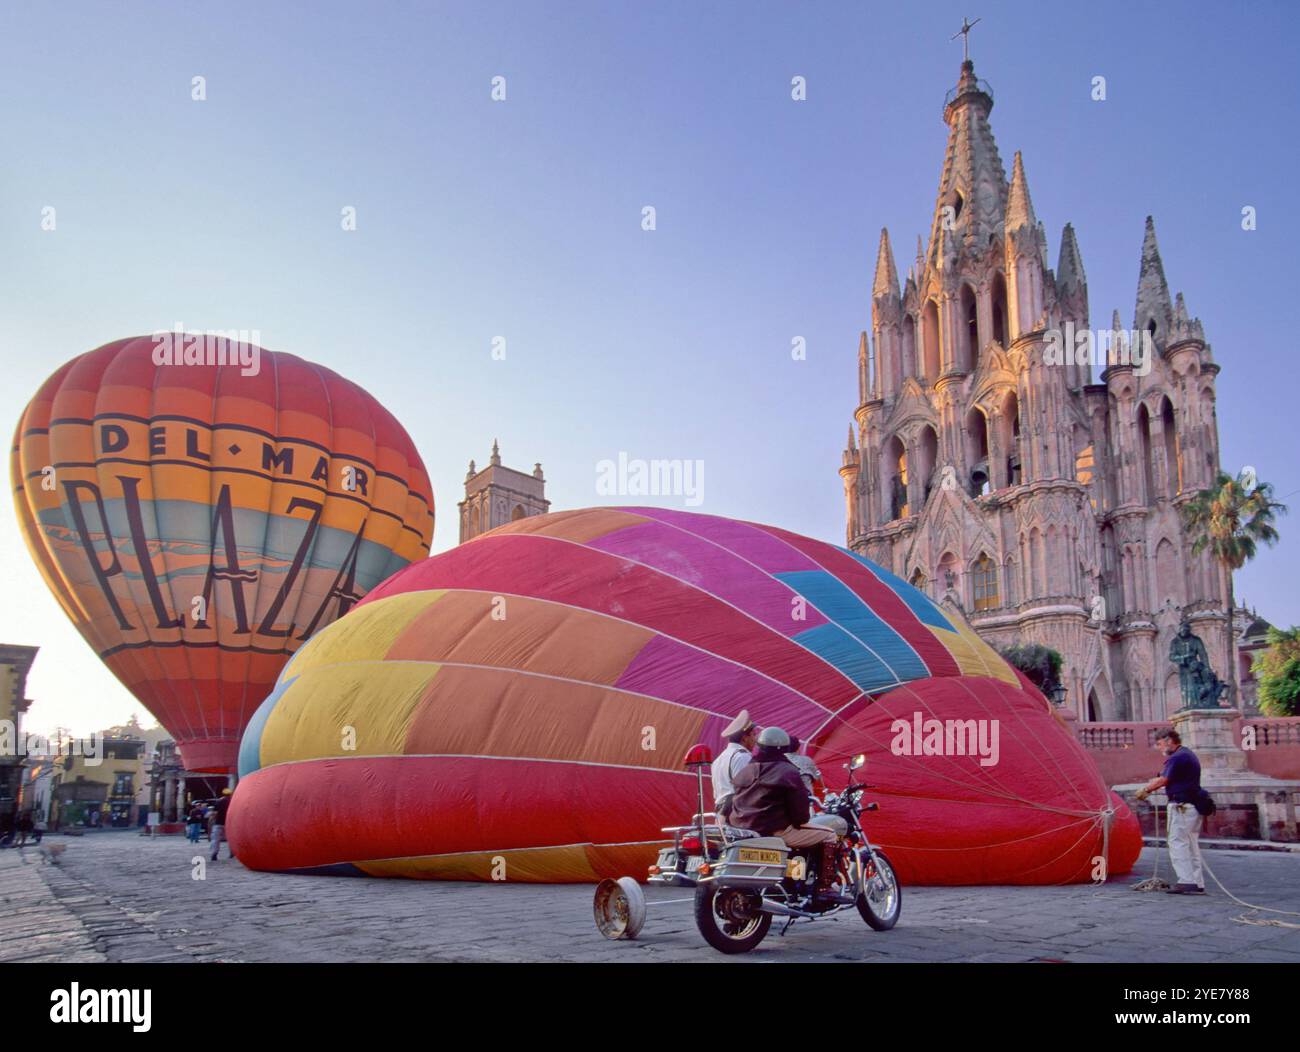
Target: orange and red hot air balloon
x,y
198,515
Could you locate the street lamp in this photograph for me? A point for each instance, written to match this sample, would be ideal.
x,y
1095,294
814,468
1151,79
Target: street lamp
x,y
1058,693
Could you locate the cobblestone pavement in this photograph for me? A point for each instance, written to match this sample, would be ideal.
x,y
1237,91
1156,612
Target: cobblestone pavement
x,y
122,897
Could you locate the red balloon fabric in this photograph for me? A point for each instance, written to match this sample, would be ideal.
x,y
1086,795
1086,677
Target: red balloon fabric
x,y
1038,812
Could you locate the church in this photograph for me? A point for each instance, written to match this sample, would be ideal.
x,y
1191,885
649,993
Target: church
x,y
1036,488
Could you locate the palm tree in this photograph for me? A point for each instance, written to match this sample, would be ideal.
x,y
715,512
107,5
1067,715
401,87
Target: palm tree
x,y
1229,520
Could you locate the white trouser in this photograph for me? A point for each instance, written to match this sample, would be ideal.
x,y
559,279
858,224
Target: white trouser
x,y
217,835
1184,849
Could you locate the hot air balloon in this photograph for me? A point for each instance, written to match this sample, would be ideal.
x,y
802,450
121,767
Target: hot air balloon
x,y
200,506
517,708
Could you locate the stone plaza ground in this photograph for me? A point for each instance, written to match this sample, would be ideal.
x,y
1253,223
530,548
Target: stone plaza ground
x,y
117,896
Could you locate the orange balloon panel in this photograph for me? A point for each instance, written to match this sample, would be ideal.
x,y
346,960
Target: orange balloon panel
x,y
200,507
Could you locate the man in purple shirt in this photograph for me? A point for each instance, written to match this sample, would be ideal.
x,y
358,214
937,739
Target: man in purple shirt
x,y
1180,778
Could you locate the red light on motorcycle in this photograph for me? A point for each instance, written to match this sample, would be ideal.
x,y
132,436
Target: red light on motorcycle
x,y
705,869
654,870
691,843
698,756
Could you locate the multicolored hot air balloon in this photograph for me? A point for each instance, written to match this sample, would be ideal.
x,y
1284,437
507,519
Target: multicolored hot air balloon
x,y
199,510
519,706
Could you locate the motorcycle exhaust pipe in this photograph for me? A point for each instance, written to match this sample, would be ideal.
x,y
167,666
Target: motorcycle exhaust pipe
x,y
768,906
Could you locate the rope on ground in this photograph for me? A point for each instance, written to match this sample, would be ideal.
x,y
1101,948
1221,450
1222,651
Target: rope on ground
x,y
1244,919
1153,882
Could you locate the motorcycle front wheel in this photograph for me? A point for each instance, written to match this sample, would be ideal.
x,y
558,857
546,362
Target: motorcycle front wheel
x,y
729,918
881,900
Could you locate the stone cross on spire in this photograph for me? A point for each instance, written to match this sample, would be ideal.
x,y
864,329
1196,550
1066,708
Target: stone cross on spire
x,y
964,33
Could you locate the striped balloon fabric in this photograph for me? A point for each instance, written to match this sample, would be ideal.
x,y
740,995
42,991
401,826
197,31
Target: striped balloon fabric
x,y
518,707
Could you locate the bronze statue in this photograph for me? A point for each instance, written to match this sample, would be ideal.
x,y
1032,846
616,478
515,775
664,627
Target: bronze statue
x,y
1199,685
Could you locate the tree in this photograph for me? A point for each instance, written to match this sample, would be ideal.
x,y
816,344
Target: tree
x,y
1041,665
1278,672
1229,520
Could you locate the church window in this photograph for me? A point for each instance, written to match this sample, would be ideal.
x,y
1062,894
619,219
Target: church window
x,y
518,513
909,346
929,453
1083,465
895,479
970,334
984,579
1144,448
1000,310
977,452
1173,452
930,341
1011,419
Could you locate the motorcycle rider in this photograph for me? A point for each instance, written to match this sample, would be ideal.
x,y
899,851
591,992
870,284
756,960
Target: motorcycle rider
x,y
741,735
772,800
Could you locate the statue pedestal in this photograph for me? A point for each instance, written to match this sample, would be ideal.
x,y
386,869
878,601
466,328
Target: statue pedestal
x,y
1209,734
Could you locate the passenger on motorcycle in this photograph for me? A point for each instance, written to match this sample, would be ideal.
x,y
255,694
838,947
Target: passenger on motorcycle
x,y
741,734
812,775
772,800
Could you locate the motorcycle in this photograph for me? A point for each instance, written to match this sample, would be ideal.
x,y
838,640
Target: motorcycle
x,y
743,880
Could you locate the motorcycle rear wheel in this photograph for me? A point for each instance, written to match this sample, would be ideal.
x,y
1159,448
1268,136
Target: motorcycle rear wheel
x,y
725,923
881,900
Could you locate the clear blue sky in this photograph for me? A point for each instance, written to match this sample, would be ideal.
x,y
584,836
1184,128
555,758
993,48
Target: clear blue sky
x,y
522,219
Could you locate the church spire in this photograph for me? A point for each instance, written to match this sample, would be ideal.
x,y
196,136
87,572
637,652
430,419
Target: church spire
x,y
1020,209
973,184
1069,268
886,283
1153,304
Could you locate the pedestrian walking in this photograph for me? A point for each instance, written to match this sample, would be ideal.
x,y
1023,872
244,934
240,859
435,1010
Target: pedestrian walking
x,y
194,822
219,823
24,828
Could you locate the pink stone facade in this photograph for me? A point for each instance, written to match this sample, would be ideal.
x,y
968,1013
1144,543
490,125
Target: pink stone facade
x,y
1039,491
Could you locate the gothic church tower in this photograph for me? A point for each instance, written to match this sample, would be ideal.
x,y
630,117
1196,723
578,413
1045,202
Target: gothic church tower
x,y
992,471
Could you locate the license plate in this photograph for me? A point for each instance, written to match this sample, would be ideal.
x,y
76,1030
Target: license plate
x,y
760,856
693,863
